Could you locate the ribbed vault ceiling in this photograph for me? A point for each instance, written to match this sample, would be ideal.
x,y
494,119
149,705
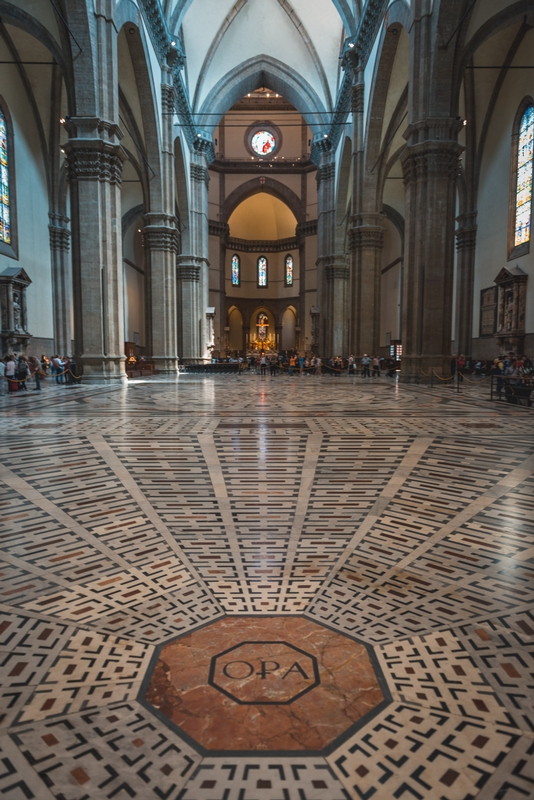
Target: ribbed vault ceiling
x,y
220,36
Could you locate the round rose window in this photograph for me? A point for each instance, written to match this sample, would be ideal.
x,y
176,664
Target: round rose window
x,y
263,143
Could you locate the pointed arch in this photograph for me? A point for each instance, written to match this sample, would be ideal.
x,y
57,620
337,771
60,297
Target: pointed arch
x,y
301,30
252,74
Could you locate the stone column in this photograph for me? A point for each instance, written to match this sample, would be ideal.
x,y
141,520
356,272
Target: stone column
x,y
61,283
326,246
466,237
161,244
366,236
430,164
337,284
95,161
193,270
188,270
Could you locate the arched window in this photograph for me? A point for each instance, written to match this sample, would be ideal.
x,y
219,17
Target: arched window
x,y
289,270
262,272
236,270
8,218
5,194
523,191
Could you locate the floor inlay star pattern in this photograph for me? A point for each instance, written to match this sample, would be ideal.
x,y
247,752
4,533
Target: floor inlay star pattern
x,y
136,517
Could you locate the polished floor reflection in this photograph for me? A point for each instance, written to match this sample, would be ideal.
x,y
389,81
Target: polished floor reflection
x,y
396,520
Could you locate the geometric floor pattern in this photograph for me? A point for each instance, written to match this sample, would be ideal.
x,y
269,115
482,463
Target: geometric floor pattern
x,y
397,515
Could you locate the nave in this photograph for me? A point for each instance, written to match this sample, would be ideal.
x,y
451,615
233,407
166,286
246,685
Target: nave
x,y
150,531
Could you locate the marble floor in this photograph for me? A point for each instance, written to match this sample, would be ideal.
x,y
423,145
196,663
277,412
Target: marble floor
x,y
247,588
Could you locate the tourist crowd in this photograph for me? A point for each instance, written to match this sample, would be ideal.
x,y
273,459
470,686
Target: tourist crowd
x,y
294,364
16,371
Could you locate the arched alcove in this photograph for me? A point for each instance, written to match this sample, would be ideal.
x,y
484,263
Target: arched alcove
x,y
289,333
262,217
235,334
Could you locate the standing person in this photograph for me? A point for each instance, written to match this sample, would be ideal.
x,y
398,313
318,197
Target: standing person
x,y
292,364
2,378
263,365
301,364
12,385
21,373
376,367
460,366
366,361
35,370
351,366
57,368
318,365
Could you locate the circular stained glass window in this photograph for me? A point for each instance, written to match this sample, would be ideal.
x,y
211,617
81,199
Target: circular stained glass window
x,y
263,143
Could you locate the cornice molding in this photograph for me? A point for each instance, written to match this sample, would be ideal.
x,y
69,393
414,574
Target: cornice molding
x,y
263,246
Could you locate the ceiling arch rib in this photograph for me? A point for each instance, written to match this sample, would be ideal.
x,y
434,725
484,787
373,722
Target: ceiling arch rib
x,y
232,33
251,75
175,11
298,24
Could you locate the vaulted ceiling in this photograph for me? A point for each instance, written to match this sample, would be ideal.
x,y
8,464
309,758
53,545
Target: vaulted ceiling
x,y
300,40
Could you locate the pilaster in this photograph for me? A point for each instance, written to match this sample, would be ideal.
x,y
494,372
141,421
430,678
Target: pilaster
x,y
366,239
160,238
193,269
430,165
326,287
466,237
61,282
95,159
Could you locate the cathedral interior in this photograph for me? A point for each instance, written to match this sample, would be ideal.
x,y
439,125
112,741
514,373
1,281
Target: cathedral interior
x,y
219,584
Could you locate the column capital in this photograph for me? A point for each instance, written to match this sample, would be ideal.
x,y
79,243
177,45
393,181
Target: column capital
x,y
335,267
188,268
439,159
199,173
58,232
94,159
59,238
466,232
160,232
366,236
326,172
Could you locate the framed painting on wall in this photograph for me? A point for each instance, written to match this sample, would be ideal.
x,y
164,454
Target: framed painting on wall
x,y
488,311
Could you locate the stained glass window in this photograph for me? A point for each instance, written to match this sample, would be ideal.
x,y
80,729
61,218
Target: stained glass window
x,y
5,221
289,270
263,143
236,270
523,203
262,271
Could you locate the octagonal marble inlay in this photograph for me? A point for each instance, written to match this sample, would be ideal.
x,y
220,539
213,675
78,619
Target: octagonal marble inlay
x,y
272,684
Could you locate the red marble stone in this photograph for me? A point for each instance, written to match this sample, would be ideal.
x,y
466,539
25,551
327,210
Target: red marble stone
x,y
264,695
